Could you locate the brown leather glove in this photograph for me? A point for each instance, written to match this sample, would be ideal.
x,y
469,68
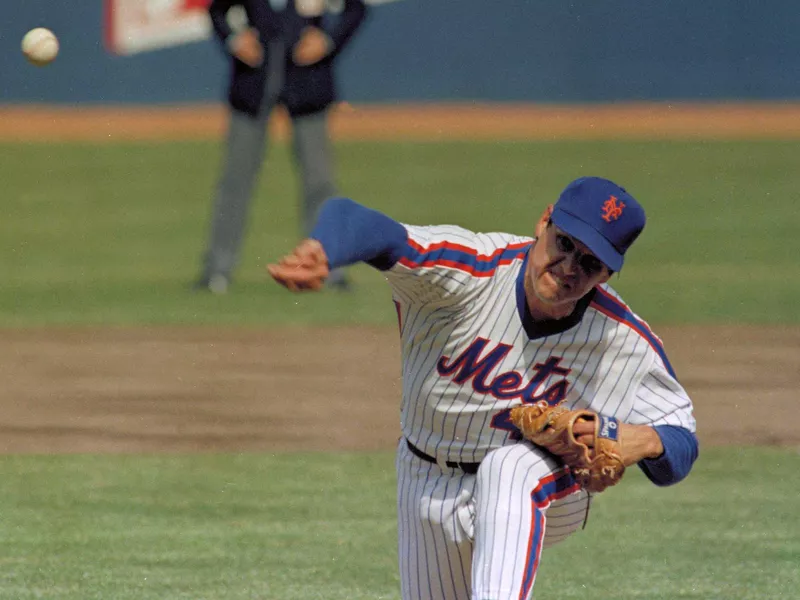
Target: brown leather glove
x,y
594,467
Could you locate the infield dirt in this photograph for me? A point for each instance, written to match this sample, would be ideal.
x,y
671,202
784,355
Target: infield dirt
x,y
154,390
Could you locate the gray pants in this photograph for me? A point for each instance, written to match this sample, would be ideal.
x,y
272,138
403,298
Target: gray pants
x,y
244,155
245,148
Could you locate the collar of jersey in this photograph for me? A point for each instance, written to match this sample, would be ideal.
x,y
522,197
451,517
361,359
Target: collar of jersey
x,y
539,329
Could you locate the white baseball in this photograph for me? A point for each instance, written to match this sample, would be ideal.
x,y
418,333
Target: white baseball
x,y
40,46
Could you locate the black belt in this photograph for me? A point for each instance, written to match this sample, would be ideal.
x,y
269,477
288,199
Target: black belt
x,y
468,468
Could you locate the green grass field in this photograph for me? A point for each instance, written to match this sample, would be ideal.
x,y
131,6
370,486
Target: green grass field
x,y
238,527
112,234
97,234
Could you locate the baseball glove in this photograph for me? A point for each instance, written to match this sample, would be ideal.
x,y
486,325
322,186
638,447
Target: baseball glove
x,y
551,427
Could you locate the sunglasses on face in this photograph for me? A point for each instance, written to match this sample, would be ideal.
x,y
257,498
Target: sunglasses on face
x,y
589,263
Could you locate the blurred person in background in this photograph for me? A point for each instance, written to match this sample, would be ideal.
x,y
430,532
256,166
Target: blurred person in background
x,y
284,55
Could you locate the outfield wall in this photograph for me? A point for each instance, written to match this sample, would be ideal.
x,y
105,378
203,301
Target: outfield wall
x,y
431,50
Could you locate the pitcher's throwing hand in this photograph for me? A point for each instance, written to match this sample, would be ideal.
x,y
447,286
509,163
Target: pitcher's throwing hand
x,y
306,268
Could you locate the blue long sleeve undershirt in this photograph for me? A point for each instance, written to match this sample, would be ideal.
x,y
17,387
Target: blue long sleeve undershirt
x,y
680,452
351,233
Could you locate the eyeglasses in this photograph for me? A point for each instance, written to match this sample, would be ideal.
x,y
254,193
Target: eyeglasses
x,y
589,263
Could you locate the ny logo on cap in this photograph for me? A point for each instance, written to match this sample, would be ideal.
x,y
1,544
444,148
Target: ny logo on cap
x,y
612,209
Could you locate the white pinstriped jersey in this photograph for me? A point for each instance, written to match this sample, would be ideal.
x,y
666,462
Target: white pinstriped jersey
x,y
468,357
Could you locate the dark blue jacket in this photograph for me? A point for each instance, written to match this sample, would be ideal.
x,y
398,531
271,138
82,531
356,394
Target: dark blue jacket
x,y
306,90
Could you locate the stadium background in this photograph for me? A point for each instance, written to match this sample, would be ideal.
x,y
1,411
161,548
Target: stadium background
x,y
580,51
456,113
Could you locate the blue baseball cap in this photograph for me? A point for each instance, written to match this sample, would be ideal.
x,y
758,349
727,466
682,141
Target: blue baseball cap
x,y
601,215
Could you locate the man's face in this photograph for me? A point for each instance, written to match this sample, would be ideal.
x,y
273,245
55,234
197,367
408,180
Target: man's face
x,y
561,270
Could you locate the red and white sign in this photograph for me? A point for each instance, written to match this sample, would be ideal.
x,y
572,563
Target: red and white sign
x,y
133,26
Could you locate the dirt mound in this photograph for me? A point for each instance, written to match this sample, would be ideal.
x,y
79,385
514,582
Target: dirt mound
x,y
156,390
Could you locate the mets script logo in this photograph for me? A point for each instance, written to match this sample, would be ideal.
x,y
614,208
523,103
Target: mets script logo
x,y
471,366
612,209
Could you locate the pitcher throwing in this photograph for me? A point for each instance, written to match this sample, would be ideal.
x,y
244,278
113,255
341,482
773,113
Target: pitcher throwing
x,y
528,384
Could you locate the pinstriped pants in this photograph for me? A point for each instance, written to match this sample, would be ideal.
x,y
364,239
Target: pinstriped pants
x,y
481,536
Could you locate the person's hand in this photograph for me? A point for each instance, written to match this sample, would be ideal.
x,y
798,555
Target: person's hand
x,y
636,442
246,46
313,45
306,268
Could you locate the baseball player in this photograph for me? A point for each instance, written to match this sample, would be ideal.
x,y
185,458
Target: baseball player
x,y
492,322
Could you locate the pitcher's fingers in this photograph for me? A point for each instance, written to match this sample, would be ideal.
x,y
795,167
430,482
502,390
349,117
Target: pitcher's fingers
x,y
290,260
275,272
297,278
311,251
281,275
309,261
583,428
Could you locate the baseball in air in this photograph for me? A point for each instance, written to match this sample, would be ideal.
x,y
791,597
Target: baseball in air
x,y
40,46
